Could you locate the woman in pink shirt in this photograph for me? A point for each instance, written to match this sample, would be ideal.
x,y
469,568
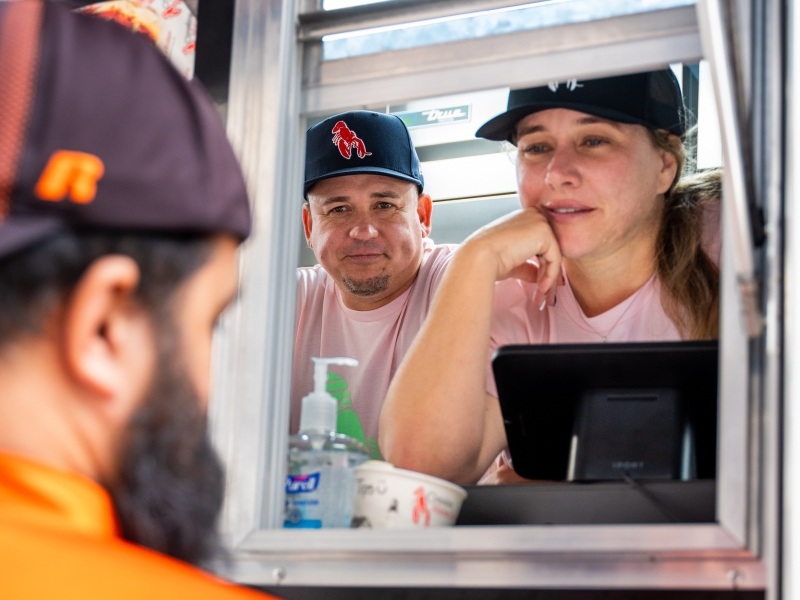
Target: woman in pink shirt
x,y
610,245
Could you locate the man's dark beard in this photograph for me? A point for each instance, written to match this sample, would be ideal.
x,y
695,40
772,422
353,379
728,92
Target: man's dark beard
x,y
366,287
170,487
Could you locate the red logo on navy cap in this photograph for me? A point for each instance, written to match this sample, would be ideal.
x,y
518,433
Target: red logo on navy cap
x,y
345,139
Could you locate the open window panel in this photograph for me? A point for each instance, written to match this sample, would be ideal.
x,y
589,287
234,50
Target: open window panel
x,y
472,181
285,77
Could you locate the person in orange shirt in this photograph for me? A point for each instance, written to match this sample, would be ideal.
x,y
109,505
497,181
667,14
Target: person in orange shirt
x,y
121,210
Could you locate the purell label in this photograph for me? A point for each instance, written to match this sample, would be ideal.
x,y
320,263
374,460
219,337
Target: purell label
x,y
301,484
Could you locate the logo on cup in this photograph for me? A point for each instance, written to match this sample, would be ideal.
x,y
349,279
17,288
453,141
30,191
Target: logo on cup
x,y
421,507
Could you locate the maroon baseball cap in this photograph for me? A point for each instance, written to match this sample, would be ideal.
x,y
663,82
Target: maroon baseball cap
x,y
99,131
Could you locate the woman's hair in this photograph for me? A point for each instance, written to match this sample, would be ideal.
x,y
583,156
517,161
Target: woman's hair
x,y
689,278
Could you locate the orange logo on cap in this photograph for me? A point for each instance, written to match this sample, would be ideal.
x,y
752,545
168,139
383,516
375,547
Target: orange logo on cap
x,y
73,173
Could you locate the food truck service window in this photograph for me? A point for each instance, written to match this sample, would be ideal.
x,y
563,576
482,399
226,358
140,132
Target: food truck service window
x,y
445,69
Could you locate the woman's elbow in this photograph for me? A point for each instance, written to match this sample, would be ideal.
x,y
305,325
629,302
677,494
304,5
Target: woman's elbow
x,y
408,452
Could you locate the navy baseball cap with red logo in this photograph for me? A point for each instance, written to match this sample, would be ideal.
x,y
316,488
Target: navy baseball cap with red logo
x,y
360,142
99,131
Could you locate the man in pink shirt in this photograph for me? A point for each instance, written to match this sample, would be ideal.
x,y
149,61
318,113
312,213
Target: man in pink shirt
x,y
367,220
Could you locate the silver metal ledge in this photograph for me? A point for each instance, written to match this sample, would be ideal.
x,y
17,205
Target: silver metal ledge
x,y
693,556
666,539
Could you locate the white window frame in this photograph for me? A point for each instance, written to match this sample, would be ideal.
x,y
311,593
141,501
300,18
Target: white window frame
x,y
277,80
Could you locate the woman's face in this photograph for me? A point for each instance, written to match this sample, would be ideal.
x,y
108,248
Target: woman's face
x,y
600,183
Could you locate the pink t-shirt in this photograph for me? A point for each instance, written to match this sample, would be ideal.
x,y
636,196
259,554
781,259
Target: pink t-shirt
x,y
638,318
516,320
378,339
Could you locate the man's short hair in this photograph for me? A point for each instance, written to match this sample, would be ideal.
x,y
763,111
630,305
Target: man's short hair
x,y
35,280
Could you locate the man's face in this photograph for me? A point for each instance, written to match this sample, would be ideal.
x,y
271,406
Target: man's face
x,y
169,489
366,231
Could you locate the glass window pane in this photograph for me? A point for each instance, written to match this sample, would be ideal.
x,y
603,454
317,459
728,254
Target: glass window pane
x,y
536,15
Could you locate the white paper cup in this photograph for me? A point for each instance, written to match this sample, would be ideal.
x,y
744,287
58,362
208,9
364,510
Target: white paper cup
x,y
391,498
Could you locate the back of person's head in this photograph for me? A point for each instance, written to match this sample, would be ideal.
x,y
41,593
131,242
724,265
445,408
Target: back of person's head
x,y
653,100
36,279
106,151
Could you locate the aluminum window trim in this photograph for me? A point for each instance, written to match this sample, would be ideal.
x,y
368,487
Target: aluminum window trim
x,y
253,350
593,556
790,542
630,43
315,23
661,539
506,572
765,518
717,48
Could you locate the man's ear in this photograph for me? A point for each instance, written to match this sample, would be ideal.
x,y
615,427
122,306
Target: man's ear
x,y
107,341
424,211
307,223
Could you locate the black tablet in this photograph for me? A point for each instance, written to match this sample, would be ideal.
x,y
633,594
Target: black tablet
x,y
588,412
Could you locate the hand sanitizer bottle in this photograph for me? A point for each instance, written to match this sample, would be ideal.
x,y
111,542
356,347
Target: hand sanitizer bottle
x,y
320,481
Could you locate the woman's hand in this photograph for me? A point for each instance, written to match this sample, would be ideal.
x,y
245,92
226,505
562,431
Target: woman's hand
x,y
502,473
521,245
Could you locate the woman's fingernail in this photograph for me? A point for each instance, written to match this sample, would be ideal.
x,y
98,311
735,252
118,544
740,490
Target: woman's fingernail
x,y
544,303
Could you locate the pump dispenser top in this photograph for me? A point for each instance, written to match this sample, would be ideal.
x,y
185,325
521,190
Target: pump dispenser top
x,y
318,410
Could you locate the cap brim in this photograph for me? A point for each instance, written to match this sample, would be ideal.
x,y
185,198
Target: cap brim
x,y
19,232
500,128
363,171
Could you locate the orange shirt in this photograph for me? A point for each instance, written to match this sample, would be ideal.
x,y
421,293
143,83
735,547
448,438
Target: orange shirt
x,y
59,538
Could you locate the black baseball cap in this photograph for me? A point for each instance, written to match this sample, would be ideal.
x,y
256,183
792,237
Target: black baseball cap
x,y
99,131
360,142
652,99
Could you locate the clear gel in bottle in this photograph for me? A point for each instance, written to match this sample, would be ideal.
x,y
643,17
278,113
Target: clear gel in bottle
x,y
320,481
